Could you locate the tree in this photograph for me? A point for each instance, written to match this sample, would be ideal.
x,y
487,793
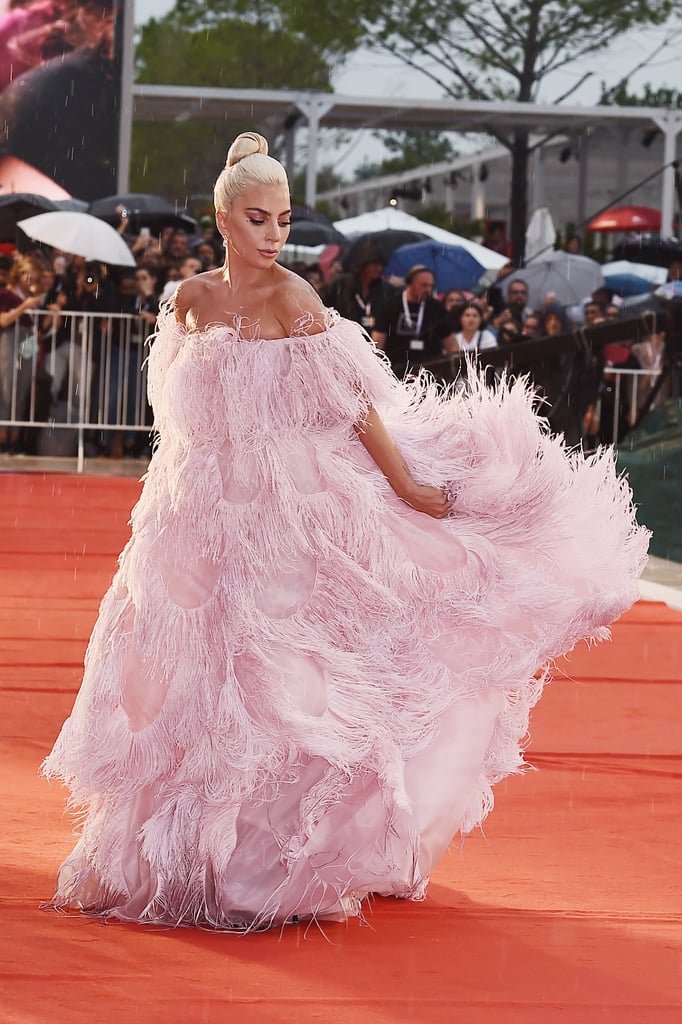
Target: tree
x,y
262,44
409,149
503,50
327,179
649,97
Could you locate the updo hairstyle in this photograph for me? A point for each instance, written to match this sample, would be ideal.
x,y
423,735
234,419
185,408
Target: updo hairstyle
x,y
247,164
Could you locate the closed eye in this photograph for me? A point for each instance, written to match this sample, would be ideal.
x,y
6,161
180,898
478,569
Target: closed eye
x,y
282,224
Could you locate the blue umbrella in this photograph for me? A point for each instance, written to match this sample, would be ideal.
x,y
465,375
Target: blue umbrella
x,y
627,284
453,266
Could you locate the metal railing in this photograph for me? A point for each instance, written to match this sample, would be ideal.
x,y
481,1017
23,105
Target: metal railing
x,y
621,379
84,375
80,373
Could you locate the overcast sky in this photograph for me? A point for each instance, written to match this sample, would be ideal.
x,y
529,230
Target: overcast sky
x,y
382,75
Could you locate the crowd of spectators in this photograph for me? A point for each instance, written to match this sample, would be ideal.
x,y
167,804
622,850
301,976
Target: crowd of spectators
x,y
414,327
406,319
47,348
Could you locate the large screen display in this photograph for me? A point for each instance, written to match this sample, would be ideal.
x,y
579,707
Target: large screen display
x,y
60,84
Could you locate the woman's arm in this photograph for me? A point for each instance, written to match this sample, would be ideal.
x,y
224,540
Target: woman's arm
x,y
12,315
380,445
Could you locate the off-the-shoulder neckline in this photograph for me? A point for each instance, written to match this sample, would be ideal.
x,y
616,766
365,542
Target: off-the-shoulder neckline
x,y
334,318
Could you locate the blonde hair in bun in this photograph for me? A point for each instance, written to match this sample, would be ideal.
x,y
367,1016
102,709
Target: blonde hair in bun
x,y
247,164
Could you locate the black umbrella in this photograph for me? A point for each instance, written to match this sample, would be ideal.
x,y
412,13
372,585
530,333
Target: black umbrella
x,y
308,213
657,252
312,232
635,305
77,205
385,242
144,210
16,206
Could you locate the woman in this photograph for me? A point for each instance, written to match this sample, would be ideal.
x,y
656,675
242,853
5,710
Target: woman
x,y
553,320
18,346
147,302
453,298
472,336
568,383
532,327
469,338
314,661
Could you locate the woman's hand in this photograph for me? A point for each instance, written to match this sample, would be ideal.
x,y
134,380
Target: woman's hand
x,y
433,501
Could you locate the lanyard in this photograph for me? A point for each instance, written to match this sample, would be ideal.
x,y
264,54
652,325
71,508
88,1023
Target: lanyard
x,y
408,315
366,307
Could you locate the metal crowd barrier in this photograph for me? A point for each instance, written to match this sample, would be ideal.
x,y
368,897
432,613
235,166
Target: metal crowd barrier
x,y
81,375
622,379
84,375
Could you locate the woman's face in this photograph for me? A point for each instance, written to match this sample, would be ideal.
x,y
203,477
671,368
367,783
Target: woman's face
x,y
552,324
452,299
145,282
26,280
470,320
314,277
206,253
46,280
257,225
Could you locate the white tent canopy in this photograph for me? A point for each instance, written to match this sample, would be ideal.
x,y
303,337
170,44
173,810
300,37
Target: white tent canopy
x,y
270,109
393,219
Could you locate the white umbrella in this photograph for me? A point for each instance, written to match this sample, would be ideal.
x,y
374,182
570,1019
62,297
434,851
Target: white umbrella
x,y
657,275
80,234
397,220
568,278
540,233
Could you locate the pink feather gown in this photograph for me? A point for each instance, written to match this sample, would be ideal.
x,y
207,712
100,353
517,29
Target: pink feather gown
x,y
298,689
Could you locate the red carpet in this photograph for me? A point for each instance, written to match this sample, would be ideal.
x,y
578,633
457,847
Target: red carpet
x,y
567,909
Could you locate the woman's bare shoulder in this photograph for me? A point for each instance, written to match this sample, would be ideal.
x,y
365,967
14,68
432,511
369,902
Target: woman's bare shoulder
x,y
191,296
298,307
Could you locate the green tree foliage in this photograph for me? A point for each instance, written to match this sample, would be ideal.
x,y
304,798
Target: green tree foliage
x,y
501,50
332,30
649,97
327,179
408,149
224,44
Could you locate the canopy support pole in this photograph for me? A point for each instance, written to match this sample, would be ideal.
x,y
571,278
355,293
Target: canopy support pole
x,y
314,107
670,124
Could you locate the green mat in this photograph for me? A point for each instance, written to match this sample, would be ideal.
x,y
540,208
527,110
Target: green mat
x,y
652,457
